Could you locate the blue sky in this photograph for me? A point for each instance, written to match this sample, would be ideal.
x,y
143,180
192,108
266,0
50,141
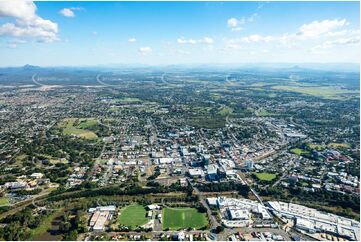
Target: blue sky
x,y
91,33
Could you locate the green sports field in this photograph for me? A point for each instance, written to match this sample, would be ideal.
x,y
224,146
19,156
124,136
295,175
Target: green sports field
x,y
182,218
133,215
299,151
265,176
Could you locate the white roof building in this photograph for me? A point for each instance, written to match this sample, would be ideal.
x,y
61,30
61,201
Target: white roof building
x,y
212,201
164,160
304,224
239,214
153,206
196,172
37,175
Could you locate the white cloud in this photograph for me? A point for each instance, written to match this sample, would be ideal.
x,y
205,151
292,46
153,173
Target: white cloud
x,y
204,40
67,12
208,40
144,50
314,31
232,22
236,25
132,40
256,38
317,28
27,23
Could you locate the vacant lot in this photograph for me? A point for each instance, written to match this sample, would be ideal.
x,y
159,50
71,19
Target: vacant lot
x,y
77,127
182,218
265,176
133,215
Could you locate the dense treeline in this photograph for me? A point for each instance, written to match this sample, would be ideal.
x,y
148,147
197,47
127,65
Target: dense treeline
x,y
155,174
111,191
347,202
70,226
225,186
73,149
20,224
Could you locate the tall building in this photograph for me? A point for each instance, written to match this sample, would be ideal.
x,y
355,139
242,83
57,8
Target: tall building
x,y
249,164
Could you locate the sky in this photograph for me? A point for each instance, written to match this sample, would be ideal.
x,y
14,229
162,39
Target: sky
x,y
164,33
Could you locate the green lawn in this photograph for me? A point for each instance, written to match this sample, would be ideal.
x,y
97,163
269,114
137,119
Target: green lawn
x,y
299,151
316,146
133,215
182,218
87,123
265,176
4,201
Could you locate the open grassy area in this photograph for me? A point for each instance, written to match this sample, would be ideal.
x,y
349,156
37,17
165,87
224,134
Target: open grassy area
x,y
87,123
77,127
224,111
327,92
299,151
133,215
265,176
208,122
4,201
339,145
316,146
45,225
182,218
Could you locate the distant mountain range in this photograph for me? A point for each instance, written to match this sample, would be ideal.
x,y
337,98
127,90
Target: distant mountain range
x,y
295,67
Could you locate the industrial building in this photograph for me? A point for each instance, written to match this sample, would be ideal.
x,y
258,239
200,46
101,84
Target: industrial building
x,y
100,216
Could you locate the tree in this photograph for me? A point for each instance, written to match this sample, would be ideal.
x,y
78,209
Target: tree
x,y
72,236
219,229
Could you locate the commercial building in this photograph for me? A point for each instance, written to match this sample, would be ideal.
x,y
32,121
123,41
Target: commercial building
x,y
313,221
196,173
212,172
240,212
